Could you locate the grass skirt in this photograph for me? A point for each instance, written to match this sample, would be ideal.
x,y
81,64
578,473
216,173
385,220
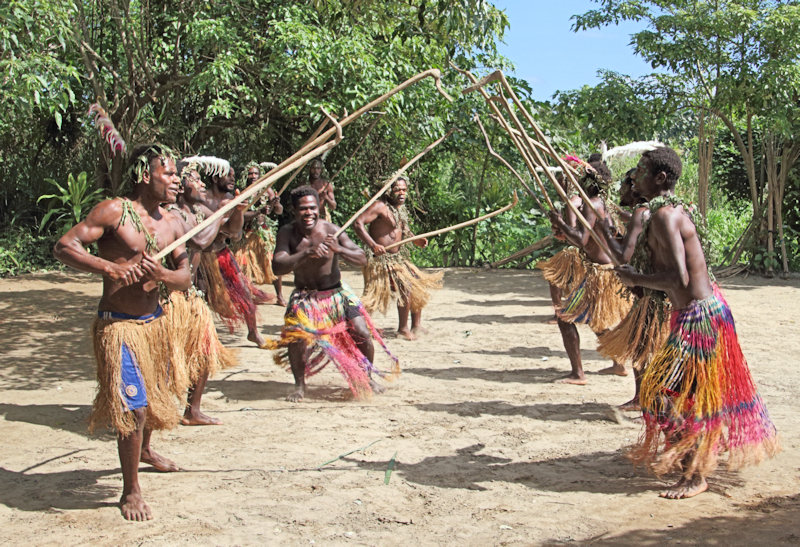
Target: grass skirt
x,y
230,294
698,391
393,277
254,254
166,385
320,320
191,325
565,269
643,332
599,300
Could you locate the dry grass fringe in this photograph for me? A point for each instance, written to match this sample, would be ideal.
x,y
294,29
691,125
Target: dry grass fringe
x,y
396,278
565,269
255,258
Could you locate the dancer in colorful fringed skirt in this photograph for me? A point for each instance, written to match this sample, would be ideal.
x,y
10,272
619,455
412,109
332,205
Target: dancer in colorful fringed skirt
x,y
324,320
696,390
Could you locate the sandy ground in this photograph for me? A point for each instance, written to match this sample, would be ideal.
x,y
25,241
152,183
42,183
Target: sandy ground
x,y
486,449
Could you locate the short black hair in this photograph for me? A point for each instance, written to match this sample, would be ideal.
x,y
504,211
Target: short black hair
x,y
596,156
667,160
301,192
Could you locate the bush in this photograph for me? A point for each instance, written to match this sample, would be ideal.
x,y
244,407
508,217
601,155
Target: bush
x,y
25,250
727,220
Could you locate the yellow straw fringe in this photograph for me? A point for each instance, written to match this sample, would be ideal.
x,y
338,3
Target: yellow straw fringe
x,y
254,258
191,326
605,299
643,332
565,269
166,383
396,278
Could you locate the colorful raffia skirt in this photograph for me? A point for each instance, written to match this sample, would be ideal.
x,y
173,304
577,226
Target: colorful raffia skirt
x,y
320,319
599,300
643,332
392,276
697,390
191,325
230,294
148,341
565,269
254,254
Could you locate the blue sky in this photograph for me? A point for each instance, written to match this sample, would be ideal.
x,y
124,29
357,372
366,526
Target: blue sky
x,y
551,57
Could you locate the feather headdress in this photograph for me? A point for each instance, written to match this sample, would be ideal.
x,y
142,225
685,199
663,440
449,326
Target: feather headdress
x,y
631,149
106,129
268,165
210,164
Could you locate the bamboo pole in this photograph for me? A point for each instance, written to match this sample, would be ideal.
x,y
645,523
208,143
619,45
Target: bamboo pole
x,y
541,244
455,226
388,183
262,184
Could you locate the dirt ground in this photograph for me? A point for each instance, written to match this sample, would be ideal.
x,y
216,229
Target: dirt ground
x,y
474,444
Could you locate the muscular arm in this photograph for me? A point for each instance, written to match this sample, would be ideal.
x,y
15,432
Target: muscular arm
x,y
364,219
327,196
71,248
623,250
665,227
345,248
283,261
235,222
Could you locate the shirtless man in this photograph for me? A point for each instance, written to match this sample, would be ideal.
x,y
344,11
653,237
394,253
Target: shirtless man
x,y
697,387
307,247
271,205
323,186
189,210
236,301
580,298
125,232
390,274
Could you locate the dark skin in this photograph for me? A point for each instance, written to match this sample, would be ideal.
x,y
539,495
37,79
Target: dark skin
x,y
191,201
308,248
581,237
323,186
130,278
679,269
275,207
222,190
376,228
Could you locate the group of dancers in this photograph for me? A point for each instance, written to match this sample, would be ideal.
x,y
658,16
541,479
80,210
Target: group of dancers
x,y
156,343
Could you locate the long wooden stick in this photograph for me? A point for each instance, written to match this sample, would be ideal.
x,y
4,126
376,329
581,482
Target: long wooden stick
x,y
541,244
391,181
313,136
264,182
358,146
502,160
498,76
456,226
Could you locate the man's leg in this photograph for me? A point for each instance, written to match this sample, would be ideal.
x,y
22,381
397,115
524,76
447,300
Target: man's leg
x,y
192,415
572,344
402,327
416,323
689,485
132,504
148,455
363,338
297,359
633,404
278,284
555,298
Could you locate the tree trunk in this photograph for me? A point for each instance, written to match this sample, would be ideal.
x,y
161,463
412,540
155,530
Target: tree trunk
x,y
705,153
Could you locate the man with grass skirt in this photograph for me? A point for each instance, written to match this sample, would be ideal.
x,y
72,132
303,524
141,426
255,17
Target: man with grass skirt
x,y
389,274
697,389
324,319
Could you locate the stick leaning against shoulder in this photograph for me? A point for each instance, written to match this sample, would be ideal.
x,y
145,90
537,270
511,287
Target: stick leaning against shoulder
x,y
391,181
456,226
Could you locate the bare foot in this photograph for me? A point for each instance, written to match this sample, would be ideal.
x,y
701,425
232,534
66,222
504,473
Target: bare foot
x,y
256,338
376,387
616,368
198,418
419,330
552,320
407,334
572,379
280,302
632,405
133,507
297,396
160,463
685,488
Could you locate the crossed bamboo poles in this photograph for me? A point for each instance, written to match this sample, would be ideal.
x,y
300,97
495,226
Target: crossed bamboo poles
x,y
531,149
316,145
